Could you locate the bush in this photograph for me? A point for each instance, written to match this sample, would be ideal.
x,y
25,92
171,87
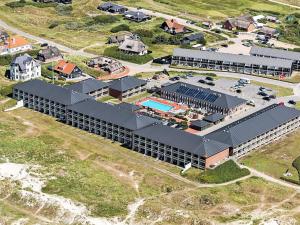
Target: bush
x,y
104,19
6,90
115,53
296,165
64,10
5,60
144,33
53,25
225,172
17,4
121,27
164,39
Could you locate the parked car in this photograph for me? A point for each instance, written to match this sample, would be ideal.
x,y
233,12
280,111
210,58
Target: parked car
x,y
272,96
202,81
211,83
292,102
238,91
190,75
261,93
209,78
267,98
44,44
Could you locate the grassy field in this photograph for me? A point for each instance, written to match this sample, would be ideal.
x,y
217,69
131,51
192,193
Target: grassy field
x,y
209,9
280,91
275,159
223,173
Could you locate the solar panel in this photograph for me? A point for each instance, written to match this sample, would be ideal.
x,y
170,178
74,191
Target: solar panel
x,y
182,89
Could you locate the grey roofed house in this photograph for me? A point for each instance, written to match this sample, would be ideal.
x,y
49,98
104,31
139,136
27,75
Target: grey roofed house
x,y
22,60
105,5
113,114
111,7
202,124
128,106
88,86
269,31
240,23
213,118
182,140
49,53
118,38
137,16
52,92
256,124
134,45
220,100
191,38
275,53
234,58
126,83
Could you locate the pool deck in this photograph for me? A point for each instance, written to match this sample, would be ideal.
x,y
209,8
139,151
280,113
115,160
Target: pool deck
x,y
175,106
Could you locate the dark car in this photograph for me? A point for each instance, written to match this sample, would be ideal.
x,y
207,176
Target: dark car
x,y
292,102
44,44
238,91
211,83
267,98
202,81
272,96
261,93
209,78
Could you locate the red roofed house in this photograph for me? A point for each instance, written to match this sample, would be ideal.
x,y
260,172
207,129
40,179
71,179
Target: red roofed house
x,y
67,70
173,27
14,45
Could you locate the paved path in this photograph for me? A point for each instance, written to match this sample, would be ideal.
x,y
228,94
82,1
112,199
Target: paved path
x,y
272,179
286,4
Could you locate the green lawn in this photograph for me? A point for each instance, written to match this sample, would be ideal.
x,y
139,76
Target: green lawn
x,y
225,172
280,91
274,159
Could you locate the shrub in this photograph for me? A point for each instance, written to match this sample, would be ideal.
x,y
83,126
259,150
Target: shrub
x,y
121,27
64,10
115,53
104,19
17,4
225,172
144,33
5,60
53,25
296,165
73,26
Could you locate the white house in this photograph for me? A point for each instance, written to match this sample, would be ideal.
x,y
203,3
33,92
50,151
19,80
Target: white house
x,y
24,68
14,44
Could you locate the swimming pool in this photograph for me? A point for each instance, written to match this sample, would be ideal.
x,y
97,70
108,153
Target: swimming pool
x,y
157,105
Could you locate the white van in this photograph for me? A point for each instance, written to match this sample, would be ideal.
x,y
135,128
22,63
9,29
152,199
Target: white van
x,y
244,81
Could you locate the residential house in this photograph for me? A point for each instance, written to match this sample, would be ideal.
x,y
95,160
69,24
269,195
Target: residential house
x,y
173,27
24,68
238,24
106,64
118,38
49,54
67,70
133,45
112,8
200,125
269,32
126,87
272,19
14,45
136,16
92,87
192,39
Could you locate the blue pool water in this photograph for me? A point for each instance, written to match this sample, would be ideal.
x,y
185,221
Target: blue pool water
x,y
157,105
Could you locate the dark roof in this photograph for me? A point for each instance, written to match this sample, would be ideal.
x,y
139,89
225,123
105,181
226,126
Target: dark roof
x,y
194,37
87,86
113,114
256,124
22,60
126,83
204,94
50,52
275,53
182,140
200,123
137,15
215,117
128,106
52,92
228,57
